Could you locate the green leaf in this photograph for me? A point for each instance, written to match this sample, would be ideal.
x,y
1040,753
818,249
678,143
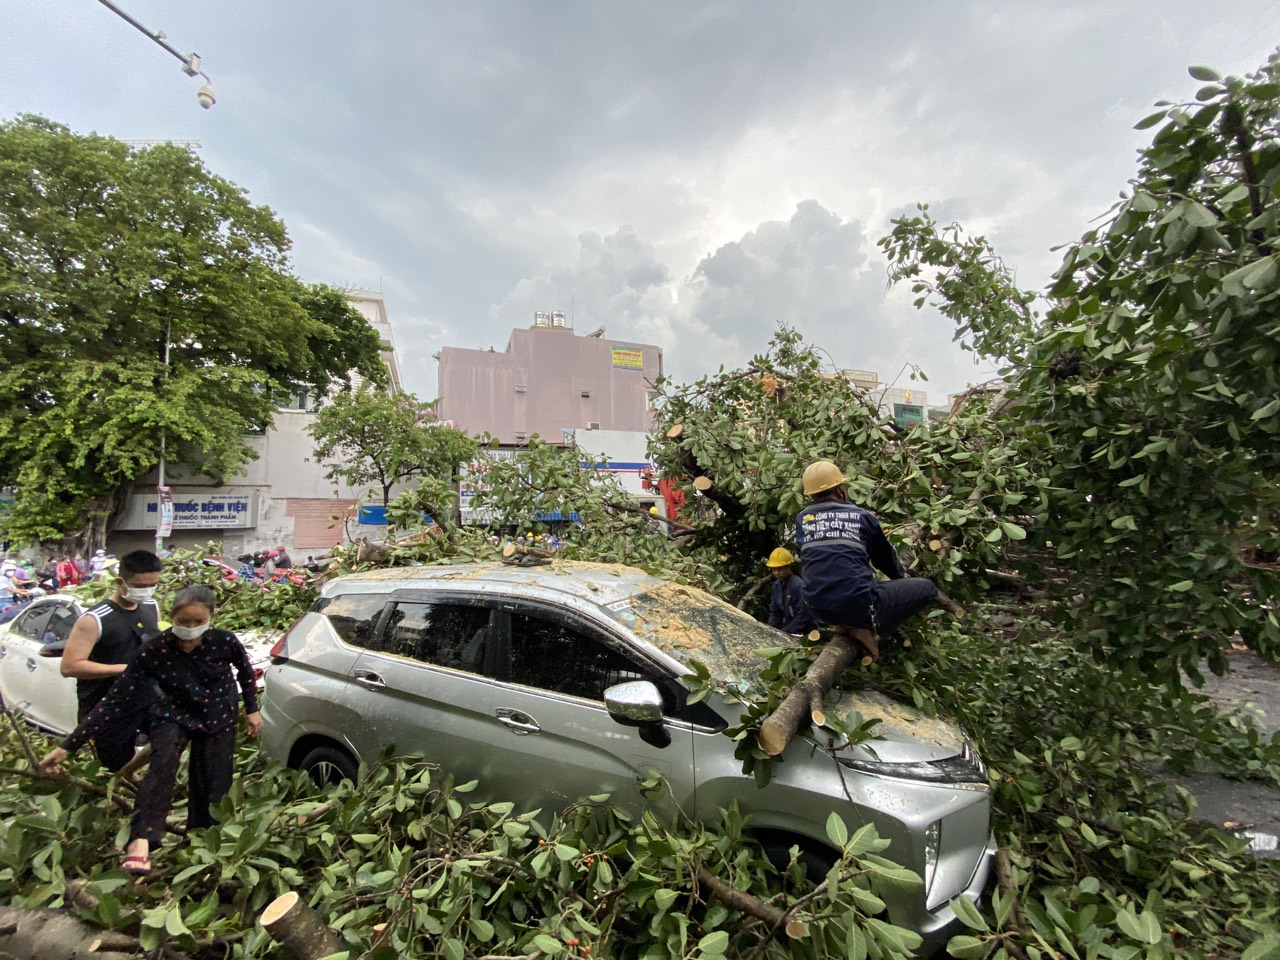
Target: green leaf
x,y
548,944
1182,586
968,948
837,832
969,914
1151,120
714,944
173,924
1204,74
1254,275
1266,410
1266,948
1144,927
664,898
855,943
1013,531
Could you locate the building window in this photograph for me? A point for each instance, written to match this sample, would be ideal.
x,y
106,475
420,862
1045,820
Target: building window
x,y
586,394
521,388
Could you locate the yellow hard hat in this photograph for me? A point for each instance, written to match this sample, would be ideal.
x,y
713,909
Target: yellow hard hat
x,y
781,557
822,475
654,511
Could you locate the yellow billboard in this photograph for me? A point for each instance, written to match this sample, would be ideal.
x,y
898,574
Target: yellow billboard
x,y
630,359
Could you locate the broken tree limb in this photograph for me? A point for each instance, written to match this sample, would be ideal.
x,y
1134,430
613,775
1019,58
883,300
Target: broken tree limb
x,y
807,695
140,758
56,935
298,929
755,588
513,549
747,903
953,608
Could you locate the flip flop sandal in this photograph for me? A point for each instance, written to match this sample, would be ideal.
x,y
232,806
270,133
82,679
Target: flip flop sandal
x,y
136,865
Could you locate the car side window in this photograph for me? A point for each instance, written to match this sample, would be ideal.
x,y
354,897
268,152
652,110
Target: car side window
x,y
60,623
445,634
353,616
551,655
32,622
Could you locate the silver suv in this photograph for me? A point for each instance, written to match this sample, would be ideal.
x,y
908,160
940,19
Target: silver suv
x,y
552,683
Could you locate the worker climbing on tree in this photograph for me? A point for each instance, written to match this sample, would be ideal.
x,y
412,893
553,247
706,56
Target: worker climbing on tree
x,y
787,609
839,544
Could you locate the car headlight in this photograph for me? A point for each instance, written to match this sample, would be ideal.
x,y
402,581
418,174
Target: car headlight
x,y
966,769
932,840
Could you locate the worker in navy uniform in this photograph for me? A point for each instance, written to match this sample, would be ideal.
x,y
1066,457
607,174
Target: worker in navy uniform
x,y
787,609
839,544
101,645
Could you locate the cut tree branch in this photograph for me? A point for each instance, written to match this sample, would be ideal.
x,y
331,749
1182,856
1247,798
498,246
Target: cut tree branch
x,y
807,695
747,903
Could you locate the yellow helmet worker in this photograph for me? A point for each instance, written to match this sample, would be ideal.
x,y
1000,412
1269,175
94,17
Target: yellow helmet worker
x,y
781,557
822,475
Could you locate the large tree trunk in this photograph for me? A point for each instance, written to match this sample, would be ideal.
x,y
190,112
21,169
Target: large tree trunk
x,y
56,935
298,929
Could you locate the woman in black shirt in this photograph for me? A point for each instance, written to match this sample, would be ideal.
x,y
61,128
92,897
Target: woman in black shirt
x,y
191,663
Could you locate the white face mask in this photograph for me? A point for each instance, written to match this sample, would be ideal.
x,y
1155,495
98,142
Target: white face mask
x,y
190,633
138,594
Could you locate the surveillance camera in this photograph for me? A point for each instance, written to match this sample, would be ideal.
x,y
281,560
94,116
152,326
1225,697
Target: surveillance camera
x,y
206,97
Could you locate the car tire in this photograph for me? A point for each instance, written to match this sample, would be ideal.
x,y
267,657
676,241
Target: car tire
x,y
816,858
328,766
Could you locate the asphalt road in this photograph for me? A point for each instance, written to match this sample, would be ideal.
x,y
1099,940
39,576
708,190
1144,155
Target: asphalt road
x,y
1252,809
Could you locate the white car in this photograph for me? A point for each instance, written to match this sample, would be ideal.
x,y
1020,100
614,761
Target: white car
x,y
31,645
31,680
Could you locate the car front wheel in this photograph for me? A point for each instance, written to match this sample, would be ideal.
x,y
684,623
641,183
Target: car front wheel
x,y
814,858
327,766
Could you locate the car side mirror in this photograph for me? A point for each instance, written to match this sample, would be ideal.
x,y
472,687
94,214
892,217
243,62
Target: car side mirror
x,y
53,649
638,703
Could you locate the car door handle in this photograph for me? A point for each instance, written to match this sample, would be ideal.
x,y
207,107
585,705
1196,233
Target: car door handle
x,y
367,678
521,724
31,665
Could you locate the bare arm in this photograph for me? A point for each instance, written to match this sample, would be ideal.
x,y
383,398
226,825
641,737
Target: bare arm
x,y
75,655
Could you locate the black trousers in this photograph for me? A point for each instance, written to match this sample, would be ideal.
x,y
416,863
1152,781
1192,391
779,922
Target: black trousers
x,y
899,600
890,603
209,772
115,743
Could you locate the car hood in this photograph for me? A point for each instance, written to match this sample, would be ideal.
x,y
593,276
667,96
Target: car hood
x,y
903,734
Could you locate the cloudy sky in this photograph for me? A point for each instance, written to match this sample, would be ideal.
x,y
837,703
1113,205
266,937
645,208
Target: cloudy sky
x,y
686,174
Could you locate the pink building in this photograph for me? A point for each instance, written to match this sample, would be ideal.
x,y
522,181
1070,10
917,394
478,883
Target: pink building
x,y
549,380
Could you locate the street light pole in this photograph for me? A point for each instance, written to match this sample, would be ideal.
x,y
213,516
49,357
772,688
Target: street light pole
x,y
190,61
164,496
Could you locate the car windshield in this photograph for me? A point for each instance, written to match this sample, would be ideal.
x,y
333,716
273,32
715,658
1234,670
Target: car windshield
x,y
692,625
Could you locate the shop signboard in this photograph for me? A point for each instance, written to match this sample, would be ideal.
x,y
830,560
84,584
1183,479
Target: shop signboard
x,y
191,510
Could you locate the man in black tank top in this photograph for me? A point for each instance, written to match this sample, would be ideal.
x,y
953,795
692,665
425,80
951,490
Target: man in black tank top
x,y
102,643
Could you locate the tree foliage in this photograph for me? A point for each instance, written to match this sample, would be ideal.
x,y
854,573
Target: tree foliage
x,y
373,437
1149,392
141,294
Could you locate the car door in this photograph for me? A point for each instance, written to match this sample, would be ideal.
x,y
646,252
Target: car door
x,y
418,685
554,742
27,686
56,694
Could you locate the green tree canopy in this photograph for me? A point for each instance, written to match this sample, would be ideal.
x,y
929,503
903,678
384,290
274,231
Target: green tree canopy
x,y
141,294
1149,391
373,437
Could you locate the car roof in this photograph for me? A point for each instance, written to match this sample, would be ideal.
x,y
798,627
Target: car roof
x,y
595,583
